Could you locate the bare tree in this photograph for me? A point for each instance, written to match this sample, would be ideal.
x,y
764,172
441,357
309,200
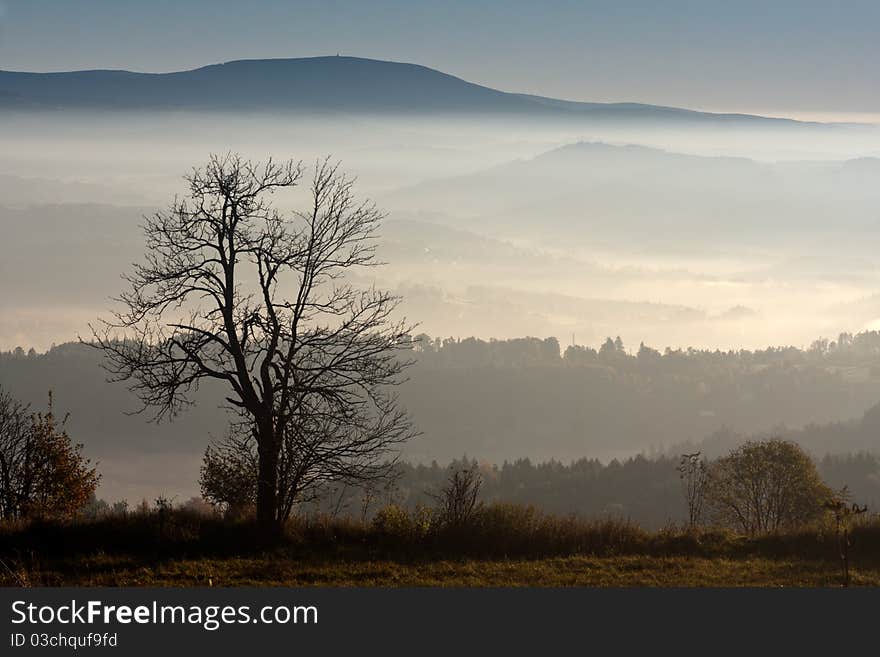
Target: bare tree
x,y
14,437
234,291
845,512
694,475
458,499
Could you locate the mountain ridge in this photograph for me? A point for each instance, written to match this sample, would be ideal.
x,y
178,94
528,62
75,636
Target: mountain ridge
x,y
330,83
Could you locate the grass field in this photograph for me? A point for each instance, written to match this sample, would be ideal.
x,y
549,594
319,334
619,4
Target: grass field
x,y
277,570
511,547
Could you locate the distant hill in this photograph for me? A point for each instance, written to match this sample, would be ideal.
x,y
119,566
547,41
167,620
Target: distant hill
x,y
314,84
498,400
590,191
584,179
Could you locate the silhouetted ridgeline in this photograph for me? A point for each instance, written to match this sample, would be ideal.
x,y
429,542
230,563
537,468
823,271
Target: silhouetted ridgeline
x,y
315,84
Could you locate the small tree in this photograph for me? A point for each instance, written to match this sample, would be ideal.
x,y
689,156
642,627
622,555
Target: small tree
x,y
766,487
458,499
694,475
845,512
14,445
236,292
228,476
318,451
42,472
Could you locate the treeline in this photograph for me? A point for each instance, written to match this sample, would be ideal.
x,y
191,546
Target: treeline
x,y
508,399
861,349
644,489
503,398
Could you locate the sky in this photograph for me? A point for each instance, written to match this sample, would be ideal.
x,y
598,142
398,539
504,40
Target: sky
x,y
800,58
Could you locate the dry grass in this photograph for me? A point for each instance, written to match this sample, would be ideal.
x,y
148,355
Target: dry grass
x,y
104,570
504,546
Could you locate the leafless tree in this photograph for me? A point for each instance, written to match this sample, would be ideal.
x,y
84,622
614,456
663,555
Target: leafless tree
x,y
845,512
694,475
234,291
14,438
458,499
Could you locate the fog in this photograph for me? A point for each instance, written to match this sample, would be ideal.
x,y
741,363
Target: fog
x,y
724,234
734,234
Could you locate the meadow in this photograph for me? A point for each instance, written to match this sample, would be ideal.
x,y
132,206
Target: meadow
x,y
504,545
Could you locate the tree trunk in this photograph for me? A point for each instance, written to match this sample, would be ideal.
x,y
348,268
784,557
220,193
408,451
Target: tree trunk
x,y
267,485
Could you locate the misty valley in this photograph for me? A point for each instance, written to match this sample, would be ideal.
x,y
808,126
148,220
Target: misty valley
x,y
548,328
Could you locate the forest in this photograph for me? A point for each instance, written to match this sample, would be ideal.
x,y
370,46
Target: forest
x,y
644,489
546,426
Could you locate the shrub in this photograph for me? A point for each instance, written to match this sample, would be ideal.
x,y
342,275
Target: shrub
x,y
44,473
392,520
765,487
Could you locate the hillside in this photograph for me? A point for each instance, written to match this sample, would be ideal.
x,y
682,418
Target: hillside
x,y
313,84
498,401
588,191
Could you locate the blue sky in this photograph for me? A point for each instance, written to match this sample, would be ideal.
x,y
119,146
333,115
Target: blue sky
x,y
784,56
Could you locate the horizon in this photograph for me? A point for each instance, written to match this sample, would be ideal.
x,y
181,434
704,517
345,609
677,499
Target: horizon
x,y
803,58
628,349
806,116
